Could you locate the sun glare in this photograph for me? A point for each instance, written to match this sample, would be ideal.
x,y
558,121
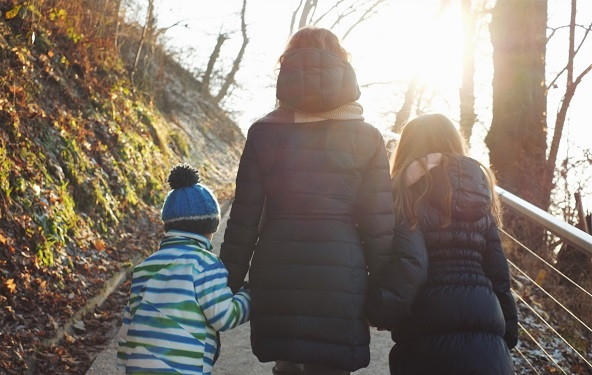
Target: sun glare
x,y
408,41
439,52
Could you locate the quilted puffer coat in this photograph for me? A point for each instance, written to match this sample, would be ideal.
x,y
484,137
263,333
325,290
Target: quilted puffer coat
x,y
328,221
464,319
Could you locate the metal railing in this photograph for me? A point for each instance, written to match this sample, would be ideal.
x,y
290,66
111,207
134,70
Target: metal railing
x,y
576,237
553,338
550,327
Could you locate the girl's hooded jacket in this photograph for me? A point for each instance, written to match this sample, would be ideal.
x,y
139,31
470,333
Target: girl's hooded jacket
x,y
464,319
313,208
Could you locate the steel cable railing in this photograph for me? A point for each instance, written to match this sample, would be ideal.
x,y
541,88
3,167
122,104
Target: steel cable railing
x,y
552,329
533,339
551,297
527,361
546,263
576,238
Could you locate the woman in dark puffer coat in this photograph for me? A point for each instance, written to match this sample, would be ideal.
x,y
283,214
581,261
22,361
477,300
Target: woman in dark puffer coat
x,y
313,208
464,320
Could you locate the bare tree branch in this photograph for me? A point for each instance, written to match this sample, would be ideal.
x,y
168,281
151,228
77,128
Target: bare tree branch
x,y
293,21
335,6
313,12
369,84
340,9
367,14
207,75
235,66
582,75
186,25
555,29
552,84
349,10
304,16
570,90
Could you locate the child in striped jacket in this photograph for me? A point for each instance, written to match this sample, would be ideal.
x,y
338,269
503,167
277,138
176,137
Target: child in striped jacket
x,y
179,298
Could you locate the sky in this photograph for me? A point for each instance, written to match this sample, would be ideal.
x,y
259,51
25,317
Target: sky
x,y
404,38
386,62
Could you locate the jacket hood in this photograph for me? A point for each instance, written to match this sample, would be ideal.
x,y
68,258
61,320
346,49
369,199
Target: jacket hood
x,y
470,188
315,80
471,196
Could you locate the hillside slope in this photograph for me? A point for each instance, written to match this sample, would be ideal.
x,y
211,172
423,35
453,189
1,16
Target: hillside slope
x,y
84,156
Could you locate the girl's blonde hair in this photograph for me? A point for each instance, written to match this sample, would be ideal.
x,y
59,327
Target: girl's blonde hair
x,y
426,134
315,37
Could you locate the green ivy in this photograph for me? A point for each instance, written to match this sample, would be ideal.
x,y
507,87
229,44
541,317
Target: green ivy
x,y
6,165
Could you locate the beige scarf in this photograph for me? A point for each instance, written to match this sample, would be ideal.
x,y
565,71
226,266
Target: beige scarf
x,y
286,115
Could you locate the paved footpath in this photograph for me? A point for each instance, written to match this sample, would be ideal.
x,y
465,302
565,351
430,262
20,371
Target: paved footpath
x,y
236,357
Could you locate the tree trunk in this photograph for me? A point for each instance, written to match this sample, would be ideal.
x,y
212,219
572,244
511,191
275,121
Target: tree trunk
x,y
117,22
467,89
208,74
517,137
147,25
405,111
148,64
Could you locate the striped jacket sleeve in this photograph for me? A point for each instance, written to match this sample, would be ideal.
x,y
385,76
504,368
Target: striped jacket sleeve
x,y
121,341
221,308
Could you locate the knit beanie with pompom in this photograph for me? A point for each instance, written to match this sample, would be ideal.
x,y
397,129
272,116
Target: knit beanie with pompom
x,y
189,206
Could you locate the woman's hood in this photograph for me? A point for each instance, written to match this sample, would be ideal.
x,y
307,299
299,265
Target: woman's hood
x,y
315,80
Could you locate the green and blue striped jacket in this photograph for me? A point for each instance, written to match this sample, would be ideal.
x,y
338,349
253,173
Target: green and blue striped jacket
x,y
178,302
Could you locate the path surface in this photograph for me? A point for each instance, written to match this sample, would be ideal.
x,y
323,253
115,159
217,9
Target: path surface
x,y
236,357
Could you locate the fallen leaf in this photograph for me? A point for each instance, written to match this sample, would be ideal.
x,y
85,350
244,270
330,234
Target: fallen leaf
x,y
13,12
69,339
540,279
100,244
10,285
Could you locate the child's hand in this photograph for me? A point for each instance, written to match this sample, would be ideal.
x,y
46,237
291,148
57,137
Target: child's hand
x,y
372,325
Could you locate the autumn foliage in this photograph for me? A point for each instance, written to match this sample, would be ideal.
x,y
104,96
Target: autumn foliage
x,y
80,176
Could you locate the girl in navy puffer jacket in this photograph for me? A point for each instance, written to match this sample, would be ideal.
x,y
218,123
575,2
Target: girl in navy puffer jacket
x,y
464,319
